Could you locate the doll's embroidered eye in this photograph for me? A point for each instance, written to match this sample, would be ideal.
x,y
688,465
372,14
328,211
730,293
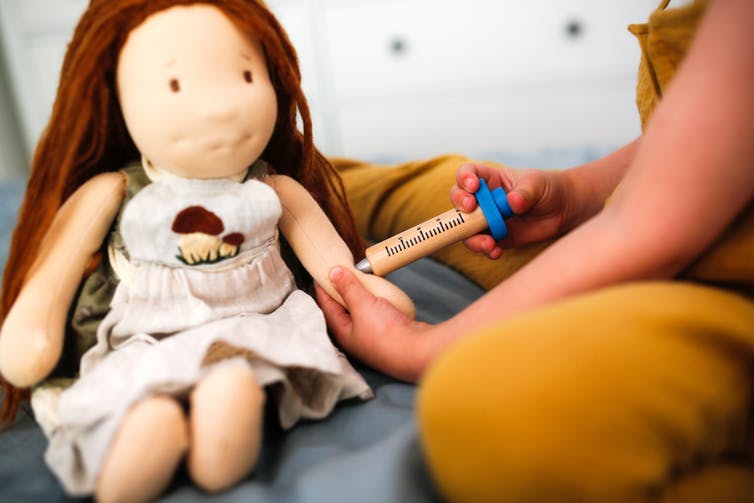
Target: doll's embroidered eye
x,y
247,76
175,86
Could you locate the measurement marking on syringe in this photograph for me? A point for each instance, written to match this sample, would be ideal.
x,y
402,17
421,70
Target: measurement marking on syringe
x,y
442,226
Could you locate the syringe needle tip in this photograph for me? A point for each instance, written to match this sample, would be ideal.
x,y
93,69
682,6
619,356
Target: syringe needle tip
x,y
364,266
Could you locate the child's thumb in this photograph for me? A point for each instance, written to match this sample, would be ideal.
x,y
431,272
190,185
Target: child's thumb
x,y
346,284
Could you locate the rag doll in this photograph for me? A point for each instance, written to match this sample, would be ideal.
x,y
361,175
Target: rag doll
x,y
169,179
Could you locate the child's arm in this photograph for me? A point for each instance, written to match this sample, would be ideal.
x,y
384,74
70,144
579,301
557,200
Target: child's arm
x,y
318,245
31,337
689,179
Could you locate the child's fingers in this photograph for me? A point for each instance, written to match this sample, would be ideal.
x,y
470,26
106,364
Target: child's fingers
x,y
527,191
482,243
467,177
353,292
495,253
338,320
462,200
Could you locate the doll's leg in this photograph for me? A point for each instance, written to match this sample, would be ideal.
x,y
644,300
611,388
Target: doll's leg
x,y
146,450
636,393
226,426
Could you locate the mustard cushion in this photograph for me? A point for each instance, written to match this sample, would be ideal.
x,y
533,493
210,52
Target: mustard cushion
x,y
664,40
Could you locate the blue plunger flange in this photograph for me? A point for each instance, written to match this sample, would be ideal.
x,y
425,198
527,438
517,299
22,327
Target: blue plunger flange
x,y
495,208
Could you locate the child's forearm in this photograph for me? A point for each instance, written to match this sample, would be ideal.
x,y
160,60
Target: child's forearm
x,y
592,183
566,268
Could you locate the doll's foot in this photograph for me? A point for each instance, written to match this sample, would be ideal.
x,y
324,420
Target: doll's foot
x,y
226,426
145,452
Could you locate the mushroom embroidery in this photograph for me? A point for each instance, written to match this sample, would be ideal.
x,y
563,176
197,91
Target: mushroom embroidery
x,y
201,243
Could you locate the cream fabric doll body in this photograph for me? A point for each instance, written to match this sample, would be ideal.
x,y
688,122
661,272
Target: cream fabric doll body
x,y
199,104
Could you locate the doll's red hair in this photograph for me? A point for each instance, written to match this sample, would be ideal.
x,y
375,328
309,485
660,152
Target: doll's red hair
x,y
86,134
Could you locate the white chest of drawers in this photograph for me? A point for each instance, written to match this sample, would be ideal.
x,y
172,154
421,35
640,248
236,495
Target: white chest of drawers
x,y
412,78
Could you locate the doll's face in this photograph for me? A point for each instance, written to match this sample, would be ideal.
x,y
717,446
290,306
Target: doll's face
x,y
195,93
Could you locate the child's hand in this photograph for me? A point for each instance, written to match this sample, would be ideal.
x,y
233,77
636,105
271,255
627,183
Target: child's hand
x,y
372,329
538,198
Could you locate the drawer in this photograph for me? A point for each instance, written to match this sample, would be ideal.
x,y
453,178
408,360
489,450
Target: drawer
x,y
422,46
482,125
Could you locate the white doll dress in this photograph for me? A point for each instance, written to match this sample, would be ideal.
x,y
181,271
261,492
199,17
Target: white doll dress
x,y
205,266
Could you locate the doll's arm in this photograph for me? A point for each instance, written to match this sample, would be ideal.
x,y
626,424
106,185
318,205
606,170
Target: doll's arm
x,y
319,247
31,337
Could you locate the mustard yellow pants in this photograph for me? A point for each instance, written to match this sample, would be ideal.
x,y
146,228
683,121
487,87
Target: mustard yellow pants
x,y
635,393
641,392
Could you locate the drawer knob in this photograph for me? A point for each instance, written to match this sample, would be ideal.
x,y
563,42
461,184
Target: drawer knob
x,y
574,28
398,45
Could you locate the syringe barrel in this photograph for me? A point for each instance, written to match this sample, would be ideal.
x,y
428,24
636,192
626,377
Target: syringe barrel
x,y
424,239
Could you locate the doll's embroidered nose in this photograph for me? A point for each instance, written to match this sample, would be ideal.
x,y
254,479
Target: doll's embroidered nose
x,y
219,108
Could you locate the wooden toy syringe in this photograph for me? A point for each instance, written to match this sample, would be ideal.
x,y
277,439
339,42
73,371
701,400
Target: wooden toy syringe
x,y
436,233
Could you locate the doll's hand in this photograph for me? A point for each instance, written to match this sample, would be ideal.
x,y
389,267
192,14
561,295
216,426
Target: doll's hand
x,y
373,330
27,353
537,197
380,287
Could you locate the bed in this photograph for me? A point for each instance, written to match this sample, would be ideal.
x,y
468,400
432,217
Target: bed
x,y
365,452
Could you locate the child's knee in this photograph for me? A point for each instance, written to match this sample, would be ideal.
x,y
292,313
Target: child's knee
x,y
481,440
498,425
581,400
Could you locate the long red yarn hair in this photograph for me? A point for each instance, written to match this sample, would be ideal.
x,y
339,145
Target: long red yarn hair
x,y
87,135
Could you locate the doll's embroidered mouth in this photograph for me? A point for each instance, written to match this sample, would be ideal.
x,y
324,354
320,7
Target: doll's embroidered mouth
x,y
220,144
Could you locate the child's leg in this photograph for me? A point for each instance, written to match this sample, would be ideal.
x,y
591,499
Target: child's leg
x,y
226,426
146,450
620,395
